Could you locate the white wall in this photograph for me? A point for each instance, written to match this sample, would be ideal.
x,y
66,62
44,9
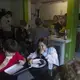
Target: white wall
x,y
32,16
29,9
5,4
48,10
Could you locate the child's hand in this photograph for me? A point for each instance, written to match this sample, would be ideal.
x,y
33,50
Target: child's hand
x,y
21,62
41,51
30,61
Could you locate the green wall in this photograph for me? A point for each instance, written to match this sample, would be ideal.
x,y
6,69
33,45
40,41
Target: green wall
x,y
72,23
25,10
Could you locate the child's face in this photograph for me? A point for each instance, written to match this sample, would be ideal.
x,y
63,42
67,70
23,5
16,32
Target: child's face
x,y
42,46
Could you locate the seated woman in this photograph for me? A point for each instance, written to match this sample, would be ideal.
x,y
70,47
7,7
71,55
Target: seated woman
x,y
12,56
50,54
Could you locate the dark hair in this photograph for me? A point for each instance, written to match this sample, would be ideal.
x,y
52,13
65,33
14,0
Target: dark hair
x,y
55,18
43,40
65,14
38,21
2,13
10,45
9,13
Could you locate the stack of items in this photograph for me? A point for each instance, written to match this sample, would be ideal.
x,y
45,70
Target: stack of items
x,y
69,71
76,66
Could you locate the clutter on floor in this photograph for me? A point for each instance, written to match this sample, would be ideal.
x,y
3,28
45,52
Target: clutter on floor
x,y
69,71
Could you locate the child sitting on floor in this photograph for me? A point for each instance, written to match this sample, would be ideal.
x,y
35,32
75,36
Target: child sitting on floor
x,y
12,56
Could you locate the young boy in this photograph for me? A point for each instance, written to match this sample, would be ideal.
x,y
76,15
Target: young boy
x,y
12,56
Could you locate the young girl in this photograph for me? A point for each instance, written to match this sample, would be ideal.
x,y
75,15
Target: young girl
x,y
50,54
12,56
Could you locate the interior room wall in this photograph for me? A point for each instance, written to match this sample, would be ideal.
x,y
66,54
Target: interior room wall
x,y
79,6
5,4
48,10
79,13
33,15
16,6
17,10
29,9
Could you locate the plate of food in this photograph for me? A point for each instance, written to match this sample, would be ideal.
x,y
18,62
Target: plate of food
x,y
38,63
